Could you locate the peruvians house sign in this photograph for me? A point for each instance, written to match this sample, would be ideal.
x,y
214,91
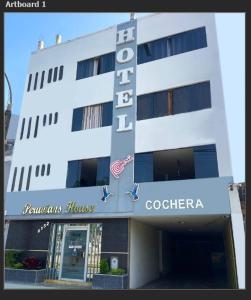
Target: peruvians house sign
x,y
71,208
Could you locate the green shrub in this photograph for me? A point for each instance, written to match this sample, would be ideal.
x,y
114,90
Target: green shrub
x,y
118,271
18,265
104,266
11,258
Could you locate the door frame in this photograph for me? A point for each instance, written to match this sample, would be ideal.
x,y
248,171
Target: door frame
x,y
69,227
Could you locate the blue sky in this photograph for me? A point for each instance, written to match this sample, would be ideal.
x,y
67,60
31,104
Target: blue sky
x,y
23,30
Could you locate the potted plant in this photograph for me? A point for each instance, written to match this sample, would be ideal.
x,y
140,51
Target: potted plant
x,y
109,279
27,270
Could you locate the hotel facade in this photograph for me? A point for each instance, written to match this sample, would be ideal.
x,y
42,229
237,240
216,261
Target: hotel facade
x,y
122,154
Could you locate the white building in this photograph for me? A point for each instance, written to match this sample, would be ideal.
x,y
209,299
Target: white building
x,y
140,102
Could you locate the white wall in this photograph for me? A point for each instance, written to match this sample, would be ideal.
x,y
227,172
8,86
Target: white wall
x,y
144,253
56,144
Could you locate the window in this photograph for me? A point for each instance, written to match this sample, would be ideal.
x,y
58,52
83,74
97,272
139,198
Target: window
x,y
55,74
22,129
37,171
61,71
49,76
94,116
152,105
88,172
55,118
152,51
176,164
95,66
21,179
176,44
29,83
35,82
29,128
143,167
36,126
44,120
205,161
77,119
48,169
180,100
191,98
85,69
42,80
42,170
188,41
106,63
28,178
50,119
14,179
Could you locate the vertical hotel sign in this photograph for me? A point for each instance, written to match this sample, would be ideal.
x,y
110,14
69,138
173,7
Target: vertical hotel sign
x,y
124,114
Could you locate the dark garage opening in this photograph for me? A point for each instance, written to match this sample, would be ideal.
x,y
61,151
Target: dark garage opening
x,y
195,261
195,253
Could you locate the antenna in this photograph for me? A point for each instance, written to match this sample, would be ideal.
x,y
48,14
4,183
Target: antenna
x,y
132,16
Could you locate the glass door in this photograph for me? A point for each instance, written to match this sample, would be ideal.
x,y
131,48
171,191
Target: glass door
x,y
74,253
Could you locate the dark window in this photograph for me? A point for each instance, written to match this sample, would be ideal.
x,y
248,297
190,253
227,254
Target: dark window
x,y
50,119
73,174
143,167
176,44
94,116
48,169
152,50
152,105
55,75
22,129
42,170
106,63
107,114
29,128
103,167
21,179
49,76
185,99
44,120
188,41
61,71
85,69
191,98
28,178
88,172
77,119
35,82
205,161
36,126
42,80
55,118
29,83
14,179
37,171
177,164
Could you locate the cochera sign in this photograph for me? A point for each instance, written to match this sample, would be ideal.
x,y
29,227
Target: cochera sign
x,y
71,208
174,204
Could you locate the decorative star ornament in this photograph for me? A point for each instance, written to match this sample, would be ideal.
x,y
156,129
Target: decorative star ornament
x,y
134,192
106,194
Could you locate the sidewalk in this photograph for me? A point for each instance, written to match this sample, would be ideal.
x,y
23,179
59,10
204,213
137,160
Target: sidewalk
x,y
23,286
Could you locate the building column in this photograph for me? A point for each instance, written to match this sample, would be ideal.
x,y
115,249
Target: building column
x,y
238,234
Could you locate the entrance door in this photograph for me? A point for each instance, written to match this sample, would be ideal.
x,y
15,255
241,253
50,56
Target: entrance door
x,y
74,253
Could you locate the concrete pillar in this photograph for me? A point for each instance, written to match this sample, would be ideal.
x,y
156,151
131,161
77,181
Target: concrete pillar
x,y
238,235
